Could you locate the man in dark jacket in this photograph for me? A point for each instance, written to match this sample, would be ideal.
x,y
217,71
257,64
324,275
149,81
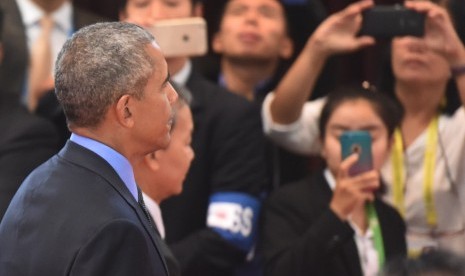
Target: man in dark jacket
x,y
78,213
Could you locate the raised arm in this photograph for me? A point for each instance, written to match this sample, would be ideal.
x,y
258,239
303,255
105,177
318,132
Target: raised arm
x,y
441,37
337,34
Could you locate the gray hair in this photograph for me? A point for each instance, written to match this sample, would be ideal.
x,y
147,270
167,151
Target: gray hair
x,y
99,64
184,99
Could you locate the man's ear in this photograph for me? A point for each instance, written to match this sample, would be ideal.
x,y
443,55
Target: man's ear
x,y
217,44
197,9
287,48
124,111
322,151
152,162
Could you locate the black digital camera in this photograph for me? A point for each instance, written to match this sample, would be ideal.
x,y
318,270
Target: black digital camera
x,y
390,21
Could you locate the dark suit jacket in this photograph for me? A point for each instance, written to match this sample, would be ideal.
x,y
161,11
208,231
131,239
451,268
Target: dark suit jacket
x,y
228,146
171,262
16,54
26,141
74,216
284,166
302,236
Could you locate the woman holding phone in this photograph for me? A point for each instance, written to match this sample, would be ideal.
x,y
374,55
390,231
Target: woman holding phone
x,y
334,223
423,173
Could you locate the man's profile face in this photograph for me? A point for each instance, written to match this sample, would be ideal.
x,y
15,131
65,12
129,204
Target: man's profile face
x,y
254,29
153,113
174,161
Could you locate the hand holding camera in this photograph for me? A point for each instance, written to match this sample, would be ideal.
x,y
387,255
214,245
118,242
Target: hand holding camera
x,y
358,25
390,21
338,33
440,35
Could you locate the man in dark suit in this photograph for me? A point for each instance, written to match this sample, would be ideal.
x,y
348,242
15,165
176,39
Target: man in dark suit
x,y
211,225
19,38
78,213
13,72
25,142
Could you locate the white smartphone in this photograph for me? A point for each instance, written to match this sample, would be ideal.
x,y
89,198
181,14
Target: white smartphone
x,y
181,37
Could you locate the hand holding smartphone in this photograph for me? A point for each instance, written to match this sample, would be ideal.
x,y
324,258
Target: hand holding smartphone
x,y
345,198
389,21
357,142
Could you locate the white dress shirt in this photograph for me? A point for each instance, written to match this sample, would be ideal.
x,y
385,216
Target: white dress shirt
x,y
155,212
181,77
31,14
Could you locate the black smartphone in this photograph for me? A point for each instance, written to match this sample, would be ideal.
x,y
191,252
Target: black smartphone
x,y
357,142
389,21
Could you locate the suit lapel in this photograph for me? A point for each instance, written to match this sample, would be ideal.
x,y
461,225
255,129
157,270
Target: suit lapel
x,y
194,83
349,252
88,159
351,258
171,261
326,192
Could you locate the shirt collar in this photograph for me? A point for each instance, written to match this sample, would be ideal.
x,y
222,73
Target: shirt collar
x,y
31,14
155,212
330,179
116,160
63,17
181,77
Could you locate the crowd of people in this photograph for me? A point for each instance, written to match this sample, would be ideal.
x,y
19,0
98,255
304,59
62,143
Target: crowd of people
x,y
118,160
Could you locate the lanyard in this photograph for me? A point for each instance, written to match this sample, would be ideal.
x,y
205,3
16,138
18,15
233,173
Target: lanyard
x,y
397,157
373,223
429,160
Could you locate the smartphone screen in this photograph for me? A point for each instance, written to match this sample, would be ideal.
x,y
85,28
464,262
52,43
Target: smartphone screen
x,y
357,142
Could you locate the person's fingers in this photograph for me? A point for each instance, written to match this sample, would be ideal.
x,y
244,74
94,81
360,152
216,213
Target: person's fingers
x,y
365,41
369,197
369,185
420,6
432,10
366,177
356,8
365,183
345,165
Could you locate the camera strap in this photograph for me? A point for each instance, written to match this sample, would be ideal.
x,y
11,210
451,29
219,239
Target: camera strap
x,y
429,160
